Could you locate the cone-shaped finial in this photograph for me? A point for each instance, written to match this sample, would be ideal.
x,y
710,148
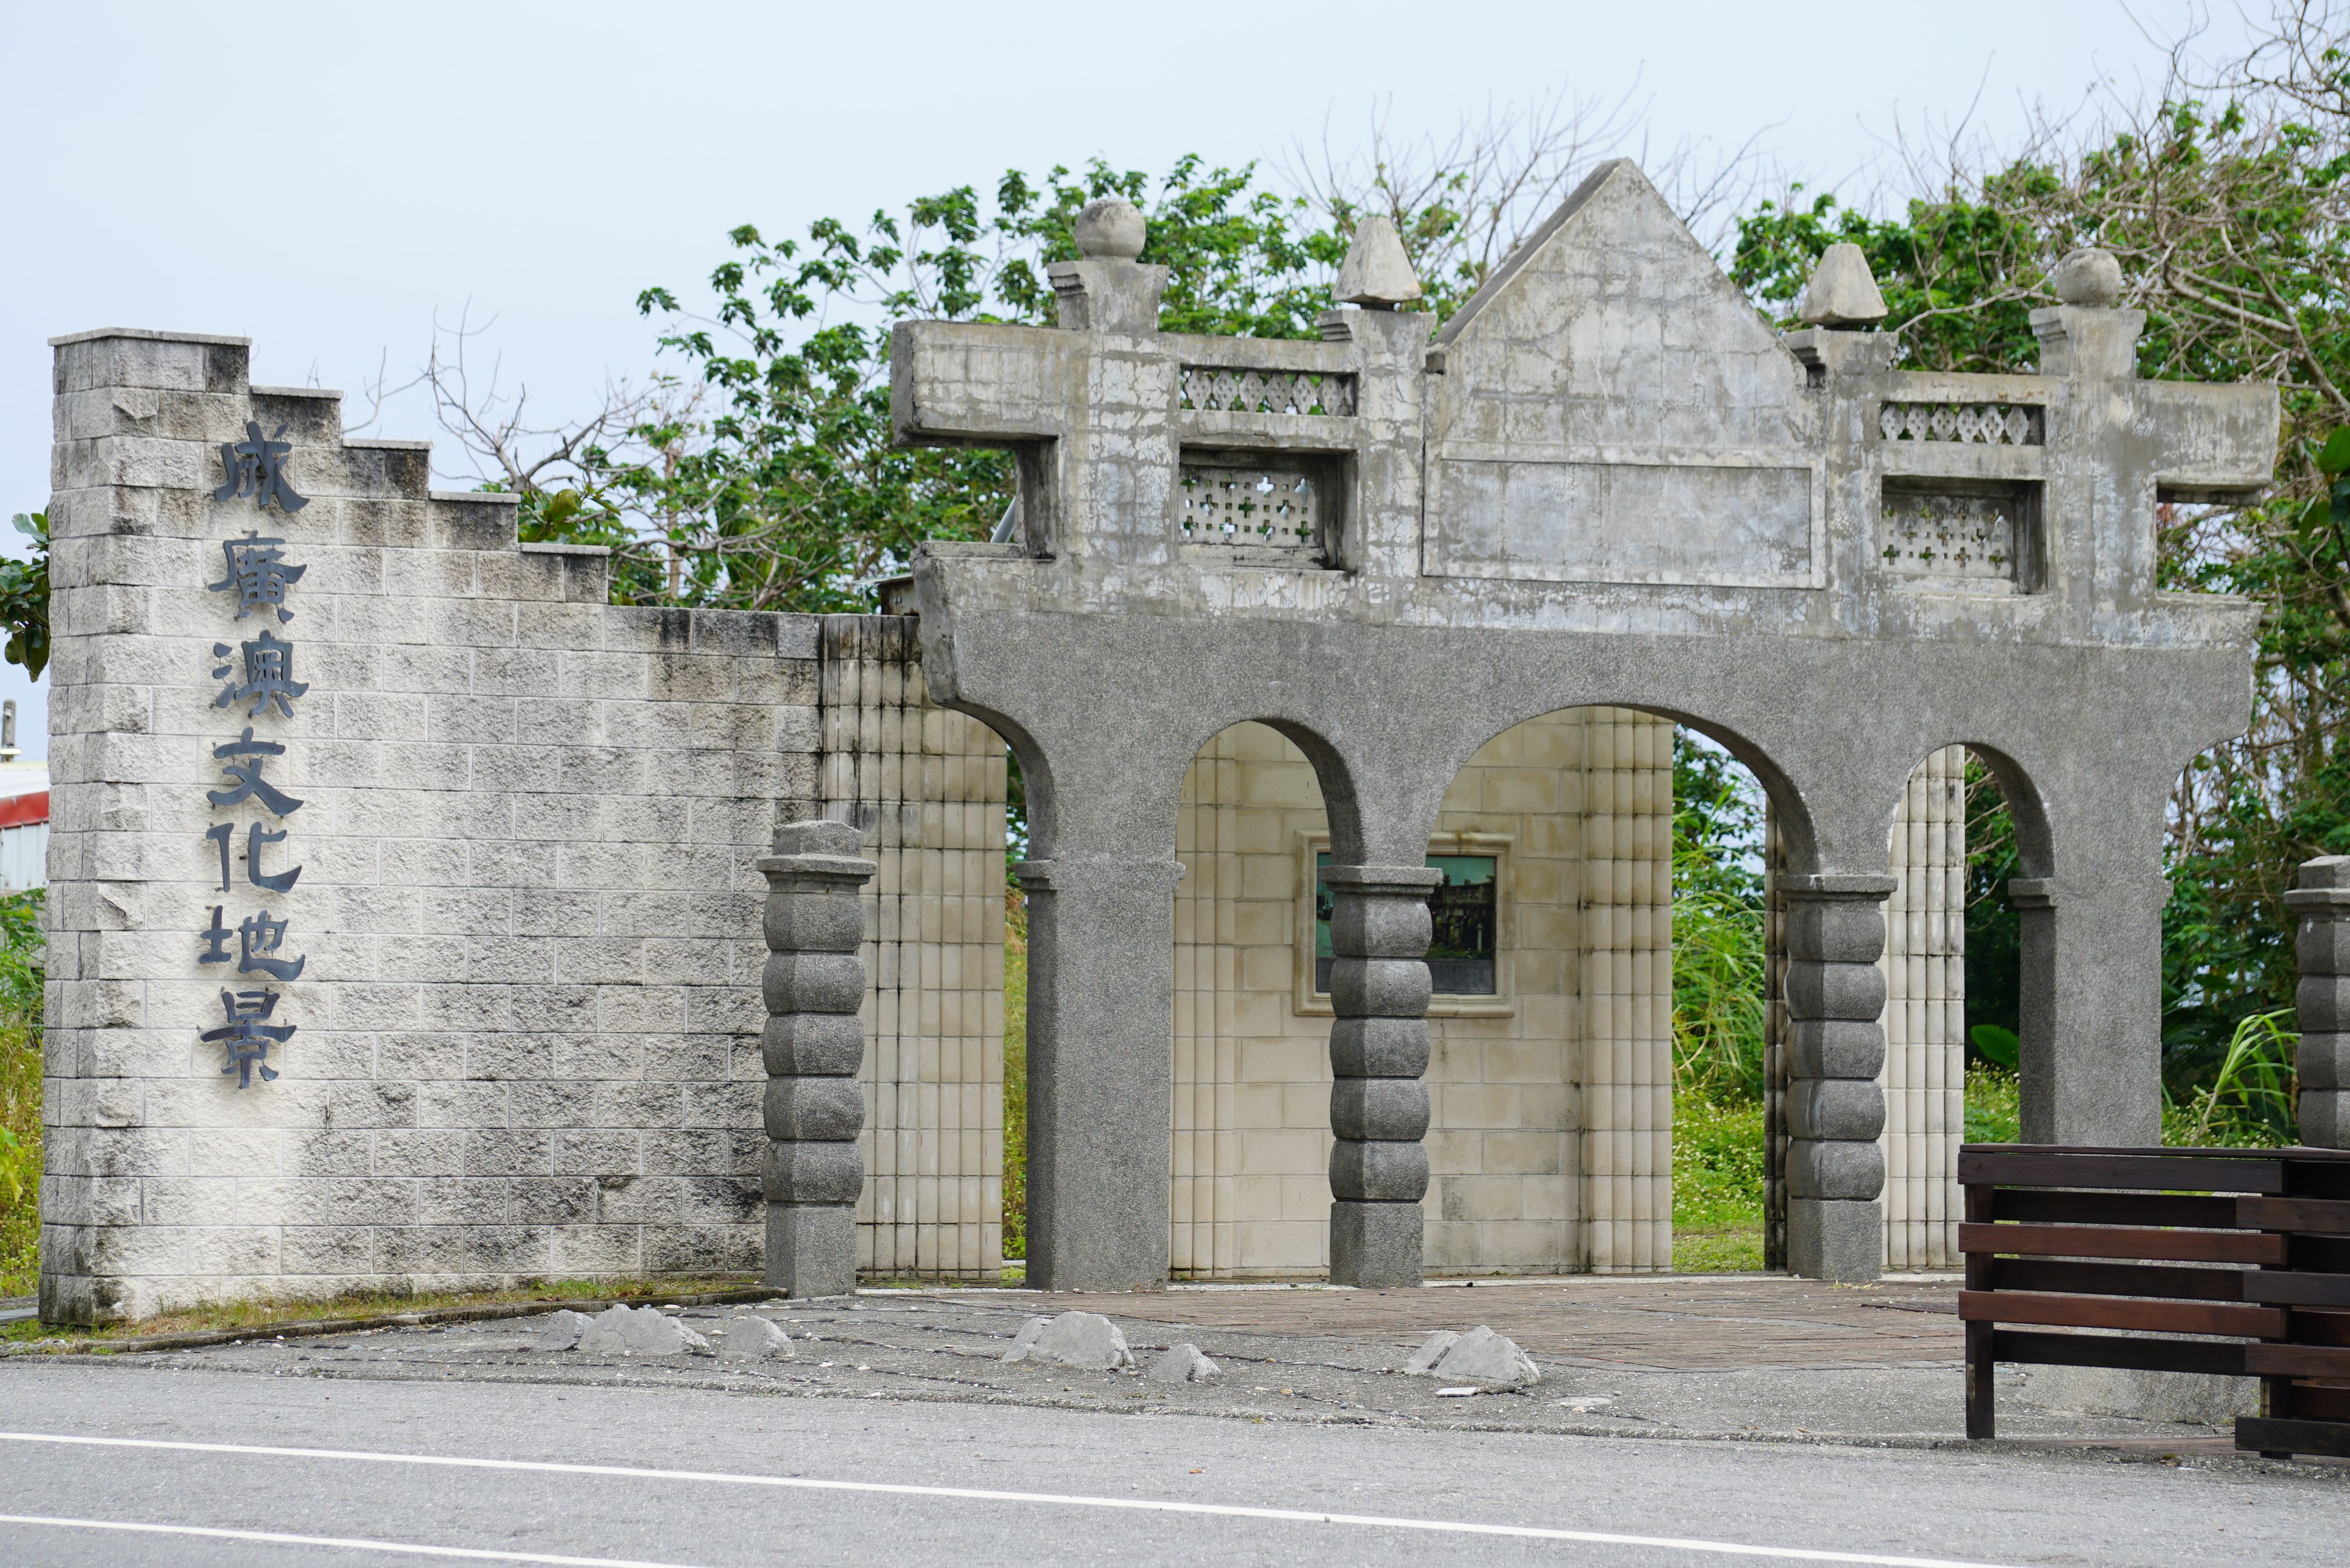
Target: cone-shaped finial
x,y
1843,292
1375,272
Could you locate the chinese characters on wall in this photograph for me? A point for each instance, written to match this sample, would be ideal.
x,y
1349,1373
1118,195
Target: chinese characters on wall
x,y
257,686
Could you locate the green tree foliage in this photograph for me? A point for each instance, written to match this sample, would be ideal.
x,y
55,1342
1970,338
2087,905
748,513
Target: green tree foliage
x,y
2226,207
790,496
1719,973
21,961
25,598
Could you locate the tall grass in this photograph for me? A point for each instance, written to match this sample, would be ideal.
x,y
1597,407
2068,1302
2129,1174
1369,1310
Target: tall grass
x,y
1016,1074
2250,1101
21,962
1721,977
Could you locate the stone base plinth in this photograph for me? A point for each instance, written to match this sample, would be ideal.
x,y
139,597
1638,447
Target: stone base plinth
x,y
1374,1244
812,1249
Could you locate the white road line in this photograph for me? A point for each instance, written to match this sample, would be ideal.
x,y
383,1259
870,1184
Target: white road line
x,y
275,1538
980,1494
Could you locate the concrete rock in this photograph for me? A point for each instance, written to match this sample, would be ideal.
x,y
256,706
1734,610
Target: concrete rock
x,y
560,1331
1843,291
747,1336
1111,227
1431,1351
1375,272
2087,277
1184,1363
1025,1340
1085,1340
640,1331
1482,1355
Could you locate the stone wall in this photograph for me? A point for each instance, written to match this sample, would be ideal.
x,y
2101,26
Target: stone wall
x,y
526,1026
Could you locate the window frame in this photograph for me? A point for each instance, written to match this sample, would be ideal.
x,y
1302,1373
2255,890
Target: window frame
x,y
1306,1002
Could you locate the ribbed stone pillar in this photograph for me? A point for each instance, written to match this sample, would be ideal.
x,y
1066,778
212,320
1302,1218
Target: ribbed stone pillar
x,y
814,1043
1379,930
1836,1049
2322,1002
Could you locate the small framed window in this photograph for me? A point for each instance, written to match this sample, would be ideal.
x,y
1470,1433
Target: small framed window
x,y
1464,951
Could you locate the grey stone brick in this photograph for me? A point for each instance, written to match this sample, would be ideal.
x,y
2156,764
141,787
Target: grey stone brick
x,y
711,1249
500,1152
435,1153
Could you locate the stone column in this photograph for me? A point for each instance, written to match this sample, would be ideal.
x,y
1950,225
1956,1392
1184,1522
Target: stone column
x,y
2089,962
1836,1049
1101,967
814,1043
2322,1001
1379,931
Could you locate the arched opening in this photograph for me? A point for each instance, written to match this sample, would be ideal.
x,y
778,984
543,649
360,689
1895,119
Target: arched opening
x,y
1990,967
926,787
1249,1139
1961,843
1728,1081
2231,1064
1616,1117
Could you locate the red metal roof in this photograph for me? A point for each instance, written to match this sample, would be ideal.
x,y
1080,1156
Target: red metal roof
x,y
25,809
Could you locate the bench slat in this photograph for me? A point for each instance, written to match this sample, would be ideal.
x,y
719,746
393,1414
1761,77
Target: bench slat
x,y
2296,1360
2322,1216
2142,1172
2023,1348
2280,1289
2117,1280
2274,1437
2096,1311
2124,1241
2116,1208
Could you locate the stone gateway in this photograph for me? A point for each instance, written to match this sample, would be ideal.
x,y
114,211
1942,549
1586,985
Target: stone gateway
x,y
1342,677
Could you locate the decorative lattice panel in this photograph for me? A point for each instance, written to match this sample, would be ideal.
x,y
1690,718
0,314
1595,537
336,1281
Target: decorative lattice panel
x,y
1991,425
1265,506
1931,534
1207,388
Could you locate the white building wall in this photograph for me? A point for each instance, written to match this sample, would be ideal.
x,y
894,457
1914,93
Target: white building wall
x,y
23,856
925,786
1924,1016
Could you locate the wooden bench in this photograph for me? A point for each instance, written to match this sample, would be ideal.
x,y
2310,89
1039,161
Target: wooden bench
x,y
2229,1262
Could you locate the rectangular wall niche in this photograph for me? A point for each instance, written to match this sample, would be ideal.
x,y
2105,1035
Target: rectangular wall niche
x,y
1273,508
1982,535
1466,911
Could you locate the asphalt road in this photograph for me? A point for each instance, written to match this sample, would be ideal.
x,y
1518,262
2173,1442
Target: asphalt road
x,y
365,1471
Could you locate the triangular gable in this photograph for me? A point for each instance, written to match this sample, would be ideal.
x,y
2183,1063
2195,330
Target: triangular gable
x,y
1613,410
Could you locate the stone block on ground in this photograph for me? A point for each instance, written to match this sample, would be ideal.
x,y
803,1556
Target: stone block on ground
x,y
559,1331
640,1331
1184,1363
1085,1340
747,1336
1431,1351
1480,1355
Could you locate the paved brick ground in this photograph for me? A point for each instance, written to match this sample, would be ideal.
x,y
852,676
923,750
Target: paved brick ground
x,y
1705,1357
1673,1322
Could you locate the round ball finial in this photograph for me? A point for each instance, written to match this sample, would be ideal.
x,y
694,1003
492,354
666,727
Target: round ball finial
x,y
2087,277
1111,228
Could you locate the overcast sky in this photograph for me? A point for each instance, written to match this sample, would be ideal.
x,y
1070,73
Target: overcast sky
x,y
325,178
